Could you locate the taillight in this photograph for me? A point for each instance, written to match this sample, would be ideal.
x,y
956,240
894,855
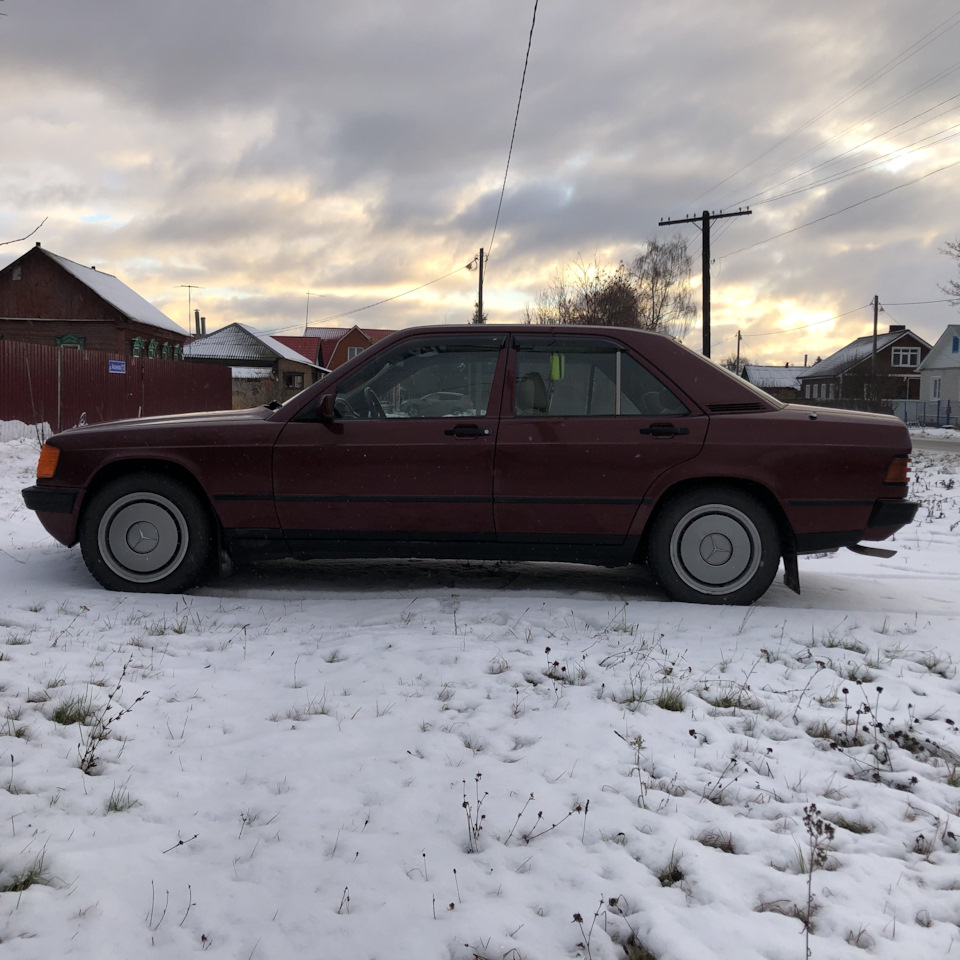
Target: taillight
x,y
898,471
47,464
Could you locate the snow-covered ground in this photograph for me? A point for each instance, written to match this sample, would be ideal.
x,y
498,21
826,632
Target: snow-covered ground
x,y
509,762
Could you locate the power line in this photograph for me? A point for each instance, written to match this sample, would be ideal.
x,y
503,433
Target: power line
x,y
349,313
806,326
902,57
835,213
513,135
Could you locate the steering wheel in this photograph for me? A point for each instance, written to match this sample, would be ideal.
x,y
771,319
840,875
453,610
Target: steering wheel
x,y
373,403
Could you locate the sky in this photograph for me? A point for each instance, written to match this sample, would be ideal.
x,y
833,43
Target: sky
x,y
453,761
358,151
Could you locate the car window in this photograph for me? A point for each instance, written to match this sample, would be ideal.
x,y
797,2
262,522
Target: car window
x,y
586,377
449,377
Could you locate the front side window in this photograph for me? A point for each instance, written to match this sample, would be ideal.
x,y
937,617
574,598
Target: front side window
x,y
428,377
905,356
586,377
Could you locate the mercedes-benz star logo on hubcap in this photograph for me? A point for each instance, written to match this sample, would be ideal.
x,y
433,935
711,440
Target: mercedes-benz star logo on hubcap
x,y
715,549
142,537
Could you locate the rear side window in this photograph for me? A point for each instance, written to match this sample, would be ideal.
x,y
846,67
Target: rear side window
x,y
586,377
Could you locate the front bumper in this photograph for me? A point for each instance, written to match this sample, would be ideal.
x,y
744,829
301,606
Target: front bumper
x,y
45,500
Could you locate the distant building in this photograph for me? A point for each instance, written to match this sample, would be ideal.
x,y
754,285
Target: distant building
x,y
46,298
851,374
940,374
337,345
779,382
264,369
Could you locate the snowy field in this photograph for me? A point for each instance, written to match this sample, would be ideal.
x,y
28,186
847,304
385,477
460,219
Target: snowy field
x,y
449,761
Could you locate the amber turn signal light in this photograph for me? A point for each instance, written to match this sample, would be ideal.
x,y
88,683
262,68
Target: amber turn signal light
x,y
898,471
47,464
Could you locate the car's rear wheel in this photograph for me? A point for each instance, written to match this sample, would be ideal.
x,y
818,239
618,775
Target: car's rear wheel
x,y
147,532
716,545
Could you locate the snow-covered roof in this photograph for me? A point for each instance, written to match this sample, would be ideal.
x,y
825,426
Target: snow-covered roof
x,y
942,357
118,294
772,378
241,342
853,353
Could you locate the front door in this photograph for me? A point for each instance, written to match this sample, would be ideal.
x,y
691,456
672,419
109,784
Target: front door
x,y
409,455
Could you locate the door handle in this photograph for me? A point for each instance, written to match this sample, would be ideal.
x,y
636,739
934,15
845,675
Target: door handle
x,y
665,430
467,430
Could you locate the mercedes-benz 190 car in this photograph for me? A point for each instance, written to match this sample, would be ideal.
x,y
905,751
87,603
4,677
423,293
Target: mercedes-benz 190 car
x,y
592,445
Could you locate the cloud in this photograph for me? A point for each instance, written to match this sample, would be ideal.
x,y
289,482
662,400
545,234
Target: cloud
x,y
358,150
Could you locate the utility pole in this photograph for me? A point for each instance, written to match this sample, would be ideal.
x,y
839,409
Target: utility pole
x,y
190,288
873,358
739,338
306,322
703,222
480,290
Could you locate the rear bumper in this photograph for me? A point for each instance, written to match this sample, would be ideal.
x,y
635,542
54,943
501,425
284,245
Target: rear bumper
x,y
886,518
892,513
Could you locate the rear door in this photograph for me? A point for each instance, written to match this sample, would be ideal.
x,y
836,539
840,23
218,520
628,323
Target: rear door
x,y
396,465
588,429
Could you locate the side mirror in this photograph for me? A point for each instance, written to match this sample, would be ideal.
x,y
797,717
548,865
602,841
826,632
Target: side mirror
x,y
325,408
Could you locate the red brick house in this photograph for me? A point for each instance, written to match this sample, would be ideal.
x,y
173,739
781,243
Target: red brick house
x,y
46,298
337,345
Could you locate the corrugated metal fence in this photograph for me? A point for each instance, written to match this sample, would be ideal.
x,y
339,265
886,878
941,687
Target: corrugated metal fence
x,y
45,384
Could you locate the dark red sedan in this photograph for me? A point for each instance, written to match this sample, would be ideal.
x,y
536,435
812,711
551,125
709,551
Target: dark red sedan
x,y
584,444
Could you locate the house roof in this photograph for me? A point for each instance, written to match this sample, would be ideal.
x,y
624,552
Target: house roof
x,y
308,346
338,333
118,294
239,342
772,378
853,353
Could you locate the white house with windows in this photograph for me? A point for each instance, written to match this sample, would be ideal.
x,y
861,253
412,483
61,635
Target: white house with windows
x,y
940,375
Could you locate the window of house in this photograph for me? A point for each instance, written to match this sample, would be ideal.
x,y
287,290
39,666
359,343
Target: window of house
x,y
137,346
905,356
354,352
152,349
177,352
581,377
165,350
956,345
807,391
70,341
935,388
293,381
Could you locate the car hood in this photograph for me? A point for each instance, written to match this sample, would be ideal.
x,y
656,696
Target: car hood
x,y
203,418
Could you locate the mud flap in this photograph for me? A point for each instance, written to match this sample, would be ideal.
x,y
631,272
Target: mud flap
x,y
791,571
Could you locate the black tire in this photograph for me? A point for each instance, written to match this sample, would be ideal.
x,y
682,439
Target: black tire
x,y
716,545
147,532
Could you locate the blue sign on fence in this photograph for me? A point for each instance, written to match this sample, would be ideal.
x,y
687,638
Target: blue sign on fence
x,y
117,366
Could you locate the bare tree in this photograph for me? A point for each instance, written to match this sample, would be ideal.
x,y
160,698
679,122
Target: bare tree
x,y
652,293
661,279
735,364
952,287
586,293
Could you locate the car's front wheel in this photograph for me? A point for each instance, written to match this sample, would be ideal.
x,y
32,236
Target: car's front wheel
x,y
715,545
146,532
